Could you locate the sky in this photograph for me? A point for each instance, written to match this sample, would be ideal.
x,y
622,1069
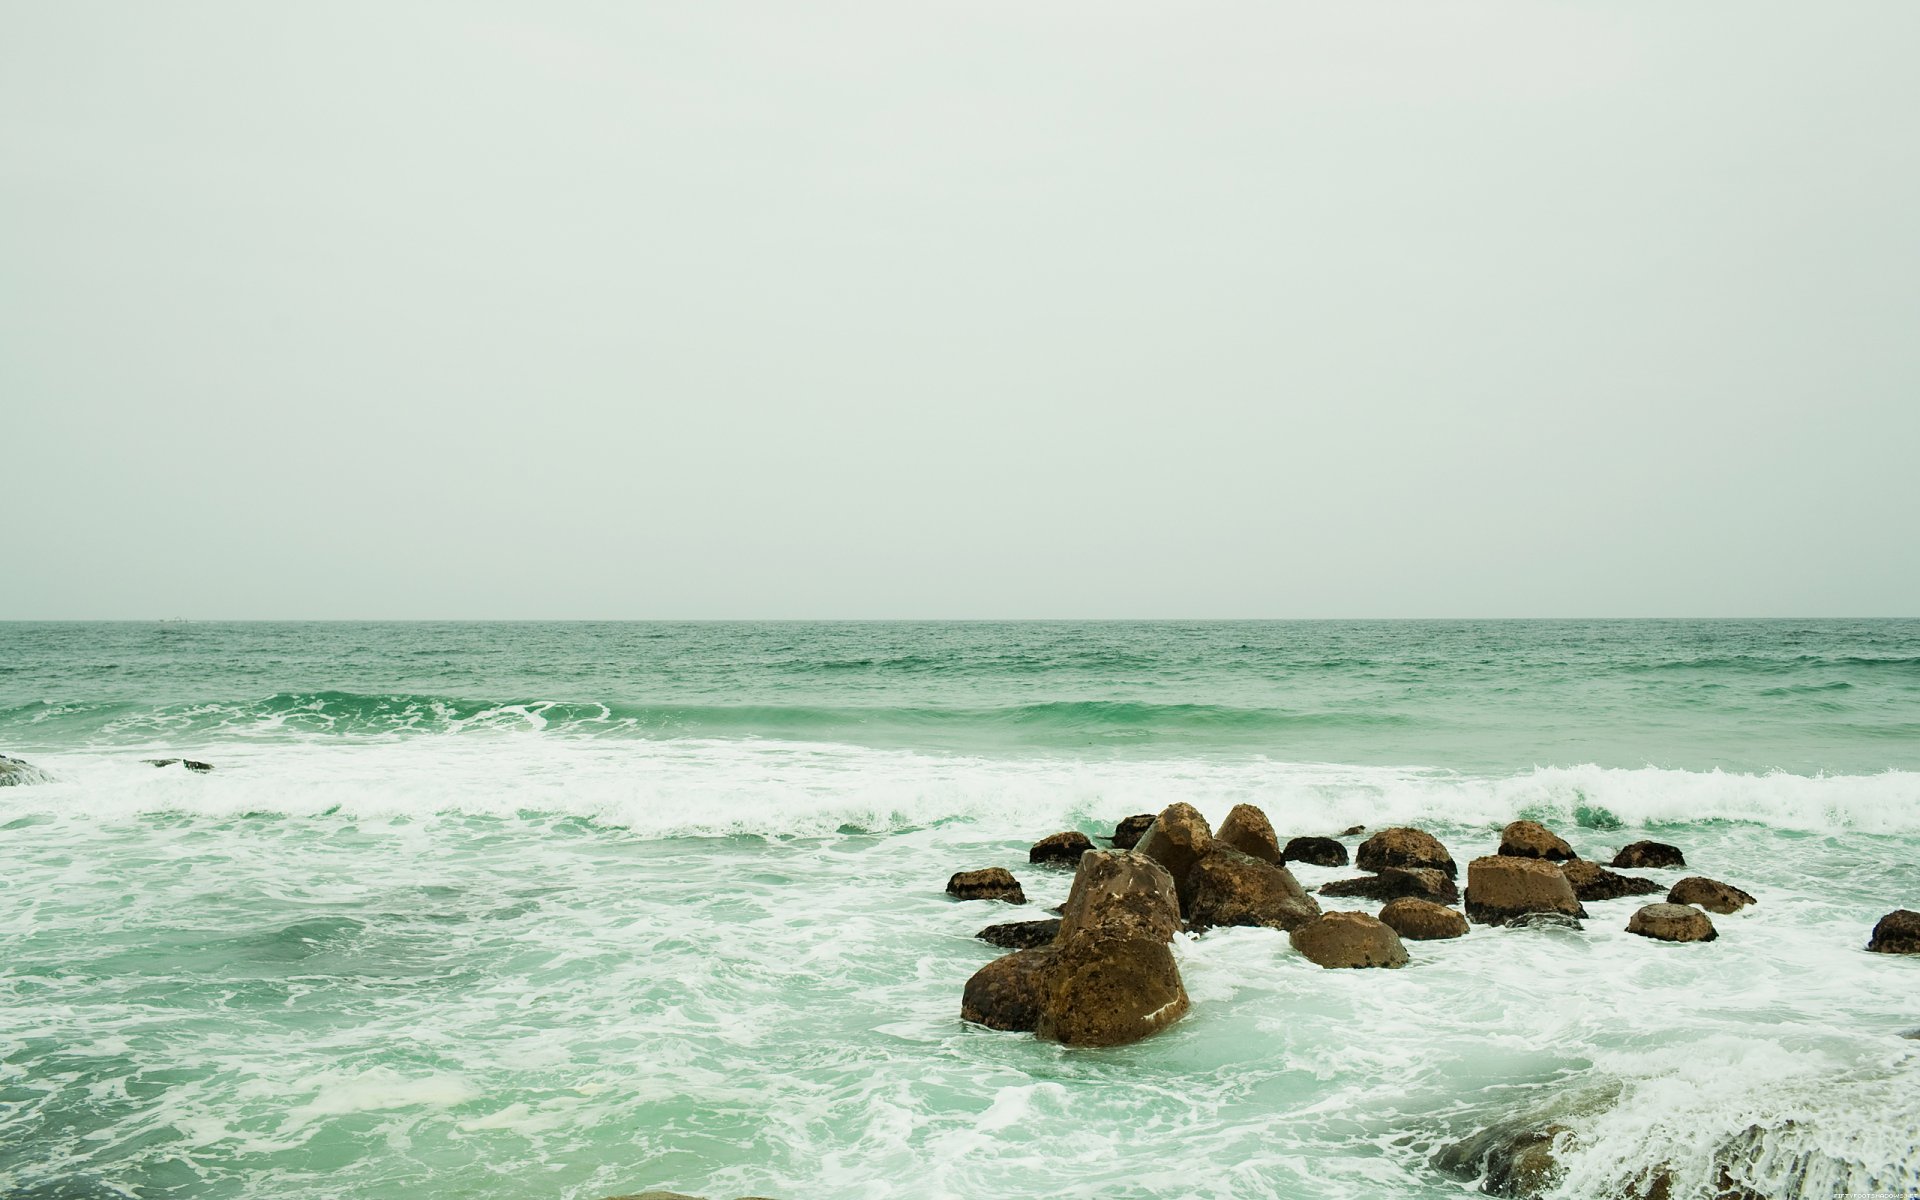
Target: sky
x,y
949,310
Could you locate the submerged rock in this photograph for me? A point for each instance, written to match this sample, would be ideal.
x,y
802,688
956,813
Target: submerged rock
x,y
1422,920
1501,887
1404,847
1060,848
1232,888
191,764
1509,1160
1353,831
1020,935
16,772
1393,883
1108,991
1176,840
1127,834
1672,923
1546,920
1121,893
1247,830
1594,882
1896,933
1649,856
1007,993
992,883
1349,939
1316,851
1531,839
1709,894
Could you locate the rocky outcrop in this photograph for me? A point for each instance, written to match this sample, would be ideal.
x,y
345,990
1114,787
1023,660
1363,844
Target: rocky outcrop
x,y
191,764
1178,838
1008,992
1314,851
1531,839
1121,893
1709,894
1647,856
1421,883
1127,834
1349,939
1404,847
1897,933
1592,881
1422,920
1020,935
993,883
1247,830
1232,888
16,772
1515,1160
1501,887
1108,991
1672,923
1060,848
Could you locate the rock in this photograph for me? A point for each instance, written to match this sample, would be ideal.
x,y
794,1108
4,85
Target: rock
x,y
1177,839
1421,883
1672,923
1422,920
1318,851
1007,993
1510,1160
1546,920
1349,939
1247,830
993,883
1108,991
1020,935
1531,839
657,1196
16,772
1403,847
1592,881
1897,933
1709,894
1060,848
1231,888
1127,834
191,764
1649,856
1353,831
1121,893
1501,887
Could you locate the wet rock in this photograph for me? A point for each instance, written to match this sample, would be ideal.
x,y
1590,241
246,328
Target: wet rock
x,y
1353,831
1501,887
1108,991
191,764
1709,894
993,883
1897,933
1509,1160
1231,888
1531,839
1421,883
1592,881
1546,920
1247,830
1672,923
1649,856
15,772
1060,848
1177,839
1020,935
1121,893
1317,851
1404,847
1008,992
1422,920
1349,939
1127,834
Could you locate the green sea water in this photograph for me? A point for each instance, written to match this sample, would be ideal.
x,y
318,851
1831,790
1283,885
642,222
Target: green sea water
x,y
570,910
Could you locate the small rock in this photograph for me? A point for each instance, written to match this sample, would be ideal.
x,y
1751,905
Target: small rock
x,y
1109,991
16,772
1353,831
1422,920
1177,839
1545,920
1247,830
1316,851
1511,1160
1404,847
1501,887
1349,939
1709,894
1672,923
1649,856
1060,848
1594,882
1121,893
1231,888
1421,883
1127,834
1531,839
993,883
191,764
1020,935
1897,933
1007,992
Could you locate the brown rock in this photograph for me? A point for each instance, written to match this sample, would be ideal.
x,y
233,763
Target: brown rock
x,y
1247,830
1421,883
1060,848
1501,887
1121,893
1353,831
1108,991
1007,992
993,883
1672,923
1515,1160
1649,855
1531,839
1592,881
1349,939
1176,841
1318,851
1127,834
1422,920
1897,933
1709,894
1403,847
1020,935
1231,888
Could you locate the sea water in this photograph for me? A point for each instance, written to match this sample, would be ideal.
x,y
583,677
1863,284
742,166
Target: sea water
x,y
571,910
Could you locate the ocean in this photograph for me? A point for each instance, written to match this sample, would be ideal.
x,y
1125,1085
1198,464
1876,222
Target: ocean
x,y
574,910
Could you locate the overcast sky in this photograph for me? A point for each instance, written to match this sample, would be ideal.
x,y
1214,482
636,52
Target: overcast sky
x,y
972,309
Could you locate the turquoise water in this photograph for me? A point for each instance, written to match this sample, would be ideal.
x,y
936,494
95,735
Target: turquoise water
x,y
477,910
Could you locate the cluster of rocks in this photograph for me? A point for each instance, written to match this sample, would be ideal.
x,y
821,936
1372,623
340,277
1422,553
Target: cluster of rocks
x,y
15,772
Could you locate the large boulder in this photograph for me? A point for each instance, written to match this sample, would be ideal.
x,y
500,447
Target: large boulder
x,y
1531,839
1127,834
1349,939
1108,991
993,883
1231,888
1247,830
1422,920
1315,851
16,772
1897,933
1591,881
1501,887
1020,935
1008,992
1421,883
1404,847
1060,848
1709,894
1121,893
1177,839
1646,856
1672,923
